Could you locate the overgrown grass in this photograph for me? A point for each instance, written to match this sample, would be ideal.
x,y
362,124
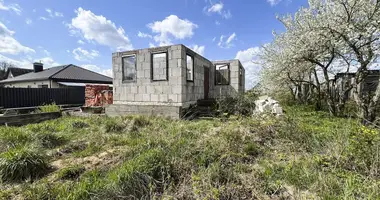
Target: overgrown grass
x,y
303,155
19,164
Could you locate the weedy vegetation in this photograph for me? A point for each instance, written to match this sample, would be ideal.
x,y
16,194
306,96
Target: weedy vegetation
x,y
49,108
302,155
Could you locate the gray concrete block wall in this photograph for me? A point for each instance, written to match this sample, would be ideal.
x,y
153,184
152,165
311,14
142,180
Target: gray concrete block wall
x,y
144,90
173,93
235,86
194,90
173,112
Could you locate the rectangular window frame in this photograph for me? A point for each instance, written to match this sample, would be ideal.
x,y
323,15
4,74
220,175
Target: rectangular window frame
x,y
151,66
192,67
122,69
229,74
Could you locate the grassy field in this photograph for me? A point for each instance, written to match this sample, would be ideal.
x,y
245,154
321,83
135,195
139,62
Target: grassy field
x,y
304,155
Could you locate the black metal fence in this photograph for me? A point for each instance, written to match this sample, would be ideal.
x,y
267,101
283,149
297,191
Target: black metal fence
x,y
30,97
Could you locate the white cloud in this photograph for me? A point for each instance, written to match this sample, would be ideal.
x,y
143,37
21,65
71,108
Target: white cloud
x,y
43,18
225,44
249,59
227,15
273,2
28,61
9,45
213,39
199,49
47,61
94,68
58,14
97,28
28,21
218,8
52,13
144,35
46,52
151,45
84,55
49,11
217,22
18,63
10,7
172,27
80,42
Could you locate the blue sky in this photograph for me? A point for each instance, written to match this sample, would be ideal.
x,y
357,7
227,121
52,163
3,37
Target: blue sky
x,y
86,32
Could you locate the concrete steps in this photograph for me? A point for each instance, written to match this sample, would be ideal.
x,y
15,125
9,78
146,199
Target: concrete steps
x,y
206,108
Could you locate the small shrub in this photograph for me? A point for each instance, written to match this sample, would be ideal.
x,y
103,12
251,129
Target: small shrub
x,y
241,105
49,108
72,172
21,163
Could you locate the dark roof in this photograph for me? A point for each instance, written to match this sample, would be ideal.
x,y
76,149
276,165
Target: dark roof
x,y
74,73
68,73
18,71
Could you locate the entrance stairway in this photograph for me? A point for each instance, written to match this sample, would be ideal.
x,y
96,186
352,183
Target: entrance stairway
x,y
205,108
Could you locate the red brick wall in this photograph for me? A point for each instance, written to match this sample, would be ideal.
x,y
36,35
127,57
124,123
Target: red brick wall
x,y
98,95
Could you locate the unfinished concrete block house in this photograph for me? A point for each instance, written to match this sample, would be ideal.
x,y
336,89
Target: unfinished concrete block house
x,y
165,80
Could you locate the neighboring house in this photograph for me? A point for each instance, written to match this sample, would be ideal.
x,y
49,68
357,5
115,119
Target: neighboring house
x,y
56,77
15,71
165,80
345,80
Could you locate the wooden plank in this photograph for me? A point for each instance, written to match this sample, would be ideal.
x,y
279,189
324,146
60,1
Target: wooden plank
x,y
19,120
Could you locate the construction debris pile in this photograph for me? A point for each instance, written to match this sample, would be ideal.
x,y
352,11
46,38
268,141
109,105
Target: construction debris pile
x,y
98,95
267,104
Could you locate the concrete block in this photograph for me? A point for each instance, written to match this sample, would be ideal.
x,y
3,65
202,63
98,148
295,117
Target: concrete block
x,y
154,97
146,97
130,97
166,89
146,65
138,97
141,89
172,98
176,89
176,54
163,97
158,89
133,89
147,73
150,89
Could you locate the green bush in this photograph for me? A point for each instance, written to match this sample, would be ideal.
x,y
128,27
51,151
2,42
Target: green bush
x,y
49,108
243,105
22,163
